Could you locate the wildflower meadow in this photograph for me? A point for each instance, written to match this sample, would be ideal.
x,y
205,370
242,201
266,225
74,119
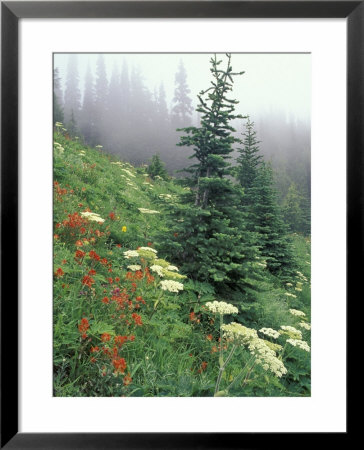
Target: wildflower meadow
x,y
182,287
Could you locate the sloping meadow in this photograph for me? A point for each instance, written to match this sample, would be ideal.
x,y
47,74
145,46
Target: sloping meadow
x,y
128,323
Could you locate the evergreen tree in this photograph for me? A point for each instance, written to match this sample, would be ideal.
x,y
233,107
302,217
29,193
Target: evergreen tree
x,y
182,104
88,117
207,234
72,96
101,91
249,159
296,210
263,216
58,115
156,168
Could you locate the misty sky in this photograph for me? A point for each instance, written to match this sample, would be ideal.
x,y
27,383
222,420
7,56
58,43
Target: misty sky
x,y
272,82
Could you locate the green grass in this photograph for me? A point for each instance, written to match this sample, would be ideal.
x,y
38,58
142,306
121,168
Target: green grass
x,y
167,350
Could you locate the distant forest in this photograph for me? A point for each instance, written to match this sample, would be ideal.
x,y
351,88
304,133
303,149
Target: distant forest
x,y
125,118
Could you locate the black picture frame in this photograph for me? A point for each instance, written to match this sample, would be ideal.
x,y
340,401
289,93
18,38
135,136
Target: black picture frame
x,y
11,12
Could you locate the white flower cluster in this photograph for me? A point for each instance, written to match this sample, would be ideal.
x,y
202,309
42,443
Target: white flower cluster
x,y
305,325
148,211
117,163
222,308
131,254
129,173
82,153
173,268
134,267
171,286
149,249
270,332
300,344
290,295
92,216
248,338
292,330
296,312
157,269
59,148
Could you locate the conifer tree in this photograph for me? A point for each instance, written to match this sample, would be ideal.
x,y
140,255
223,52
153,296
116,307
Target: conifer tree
x,y
58,115
157,168
263,216
101,91
72,95
207,232
296,210
249,159
182,103
88,113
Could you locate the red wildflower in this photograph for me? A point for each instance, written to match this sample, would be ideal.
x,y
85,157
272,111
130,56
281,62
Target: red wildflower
x,y
56,236
78,243
137,319
93,255
88,281
105,337
119,340
127,380
93,360
110,280
92,272
79,254
132,338
209,337
112,216
94,349
192,316
117,279
83,326
105,300
59,273
119,364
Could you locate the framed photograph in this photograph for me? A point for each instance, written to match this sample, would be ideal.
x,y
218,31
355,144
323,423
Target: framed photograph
x,y
166,167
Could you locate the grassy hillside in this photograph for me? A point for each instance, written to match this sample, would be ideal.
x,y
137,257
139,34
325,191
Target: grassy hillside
x,y
128,323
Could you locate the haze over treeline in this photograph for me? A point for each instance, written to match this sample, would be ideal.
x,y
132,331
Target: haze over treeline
x,y
133,104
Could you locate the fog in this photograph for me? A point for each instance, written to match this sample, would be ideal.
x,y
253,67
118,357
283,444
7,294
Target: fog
x,y
271,82
126,102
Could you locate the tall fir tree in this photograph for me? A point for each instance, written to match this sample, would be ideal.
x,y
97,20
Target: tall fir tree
x,y
182,103
263,215
207,235
296,210
249,159
88,112
101,91
58,115
72,95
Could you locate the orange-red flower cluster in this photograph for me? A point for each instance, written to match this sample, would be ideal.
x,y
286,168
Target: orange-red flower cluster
x,y
119,364
59,273
88,281
83,327
137,319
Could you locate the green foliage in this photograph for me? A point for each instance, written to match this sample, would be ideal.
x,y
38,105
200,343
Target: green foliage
x,y
261,206
296,210
208,237
156,168
172,346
